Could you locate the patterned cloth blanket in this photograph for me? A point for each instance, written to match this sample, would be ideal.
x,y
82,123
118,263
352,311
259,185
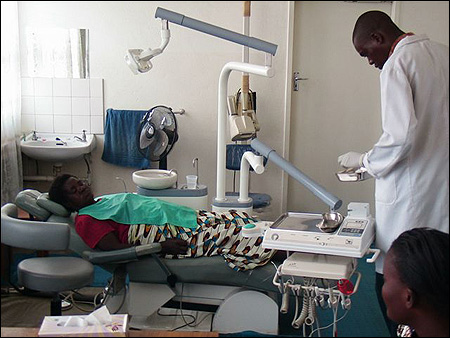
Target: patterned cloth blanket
x,y
216,234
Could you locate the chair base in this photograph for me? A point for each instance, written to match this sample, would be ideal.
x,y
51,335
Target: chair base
x,y
56,306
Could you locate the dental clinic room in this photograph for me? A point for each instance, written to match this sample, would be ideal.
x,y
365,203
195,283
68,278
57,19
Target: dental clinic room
x,y
225,168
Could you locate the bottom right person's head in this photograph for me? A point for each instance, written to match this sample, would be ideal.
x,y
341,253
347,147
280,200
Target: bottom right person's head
x,y
416,277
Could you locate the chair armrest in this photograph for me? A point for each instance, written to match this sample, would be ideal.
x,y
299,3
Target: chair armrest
x,y
122,255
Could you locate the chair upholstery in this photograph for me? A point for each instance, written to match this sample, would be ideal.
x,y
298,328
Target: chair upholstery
x,y
45,274
55,274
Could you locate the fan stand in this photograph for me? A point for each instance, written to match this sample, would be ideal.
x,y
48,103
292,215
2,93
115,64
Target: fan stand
x,y
163,163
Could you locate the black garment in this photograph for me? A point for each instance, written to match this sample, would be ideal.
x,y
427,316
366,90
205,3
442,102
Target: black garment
x,y
391,326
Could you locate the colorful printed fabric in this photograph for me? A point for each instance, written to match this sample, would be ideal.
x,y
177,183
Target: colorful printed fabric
x,y
216,234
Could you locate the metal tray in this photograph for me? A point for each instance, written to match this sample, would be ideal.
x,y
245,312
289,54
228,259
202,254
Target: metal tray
x,y
352,175
298,222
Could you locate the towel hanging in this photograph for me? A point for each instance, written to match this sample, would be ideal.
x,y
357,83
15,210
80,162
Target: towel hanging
x,y
121,130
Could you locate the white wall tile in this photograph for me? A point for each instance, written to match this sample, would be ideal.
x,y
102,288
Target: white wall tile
x,y
27,86
62,105
43,86
44,123
80,123
96,88
28,123
62,87
97,124
80,106
80,87
28,105
96,106
62,124
43,105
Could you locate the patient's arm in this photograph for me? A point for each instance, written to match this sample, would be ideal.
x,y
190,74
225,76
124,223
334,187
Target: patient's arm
x,y
111,242
172,246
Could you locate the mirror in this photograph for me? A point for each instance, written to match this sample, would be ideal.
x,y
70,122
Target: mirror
x,y
57,52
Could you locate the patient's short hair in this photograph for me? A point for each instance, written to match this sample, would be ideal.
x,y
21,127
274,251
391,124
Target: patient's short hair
x,y
56,192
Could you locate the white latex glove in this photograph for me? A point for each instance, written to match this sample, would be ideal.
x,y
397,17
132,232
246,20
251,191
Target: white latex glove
x,y
351,159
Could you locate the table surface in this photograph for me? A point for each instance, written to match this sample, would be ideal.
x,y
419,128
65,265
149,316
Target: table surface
x,y
33,332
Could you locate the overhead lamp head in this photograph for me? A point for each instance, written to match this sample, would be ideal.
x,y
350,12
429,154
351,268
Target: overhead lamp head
x,y
139,60
136,63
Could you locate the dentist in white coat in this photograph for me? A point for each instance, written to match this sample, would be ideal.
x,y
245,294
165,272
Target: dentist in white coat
x,y
410,161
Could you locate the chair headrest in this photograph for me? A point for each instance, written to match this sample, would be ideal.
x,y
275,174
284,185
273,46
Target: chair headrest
x,y
39,205
55,208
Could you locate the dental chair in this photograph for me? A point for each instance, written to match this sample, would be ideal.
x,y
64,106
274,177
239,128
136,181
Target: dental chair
x,y
45,274
143,282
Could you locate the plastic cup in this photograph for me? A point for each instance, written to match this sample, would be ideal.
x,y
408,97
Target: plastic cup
x,y
191,181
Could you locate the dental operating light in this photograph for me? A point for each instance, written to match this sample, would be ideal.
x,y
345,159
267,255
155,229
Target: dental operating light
x,y
139,60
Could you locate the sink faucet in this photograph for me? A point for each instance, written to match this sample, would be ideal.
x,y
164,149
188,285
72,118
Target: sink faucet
x,y
83,138
34,137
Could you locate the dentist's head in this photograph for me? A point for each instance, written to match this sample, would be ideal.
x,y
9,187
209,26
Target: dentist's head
x,y
374,35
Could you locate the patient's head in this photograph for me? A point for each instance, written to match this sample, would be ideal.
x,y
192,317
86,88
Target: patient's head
x,y
71,192
416,277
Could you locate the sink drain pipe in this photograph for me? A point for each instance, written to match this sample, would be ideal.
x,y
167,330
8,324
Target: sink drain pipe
x,y
38,178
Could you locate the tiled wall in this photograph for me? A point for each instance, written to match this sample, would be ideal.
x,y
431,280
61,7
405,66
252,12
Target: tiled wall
x,y
55,105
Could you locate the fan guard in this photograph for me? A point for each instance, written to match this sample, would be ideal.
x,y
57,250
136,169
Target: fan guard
x,y
157,133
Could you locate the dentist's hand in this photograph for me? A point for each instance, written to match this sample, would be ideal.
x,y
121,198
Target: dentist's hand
x,y
174,246
351,159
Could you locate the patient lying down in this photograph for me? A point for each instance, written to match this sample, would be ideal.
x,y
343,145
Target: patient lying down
x,y
123,220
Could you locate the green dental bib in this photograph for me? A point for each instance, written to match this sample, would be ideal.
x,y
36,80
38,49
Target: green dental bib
x,y
127,208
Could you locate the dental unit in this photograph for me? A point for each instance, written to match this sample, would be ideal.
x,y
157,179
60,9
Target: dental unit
x,y
139,62
322,248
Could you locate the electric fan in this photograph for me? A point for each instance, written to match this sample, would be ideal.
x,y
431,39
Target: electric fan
x,y
157,133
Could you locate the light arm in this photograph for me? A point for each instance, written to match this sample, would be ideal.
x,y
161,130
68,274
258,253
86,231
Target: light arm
x,y
219,32
139,60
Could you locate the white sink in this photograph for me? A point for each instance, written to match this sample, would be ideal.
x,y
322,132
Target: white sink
x,y
155,178
57,147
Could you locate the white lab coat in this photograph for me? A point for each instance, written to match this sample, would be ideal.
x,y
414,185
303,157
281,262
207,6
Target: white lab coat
x,y
410,161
